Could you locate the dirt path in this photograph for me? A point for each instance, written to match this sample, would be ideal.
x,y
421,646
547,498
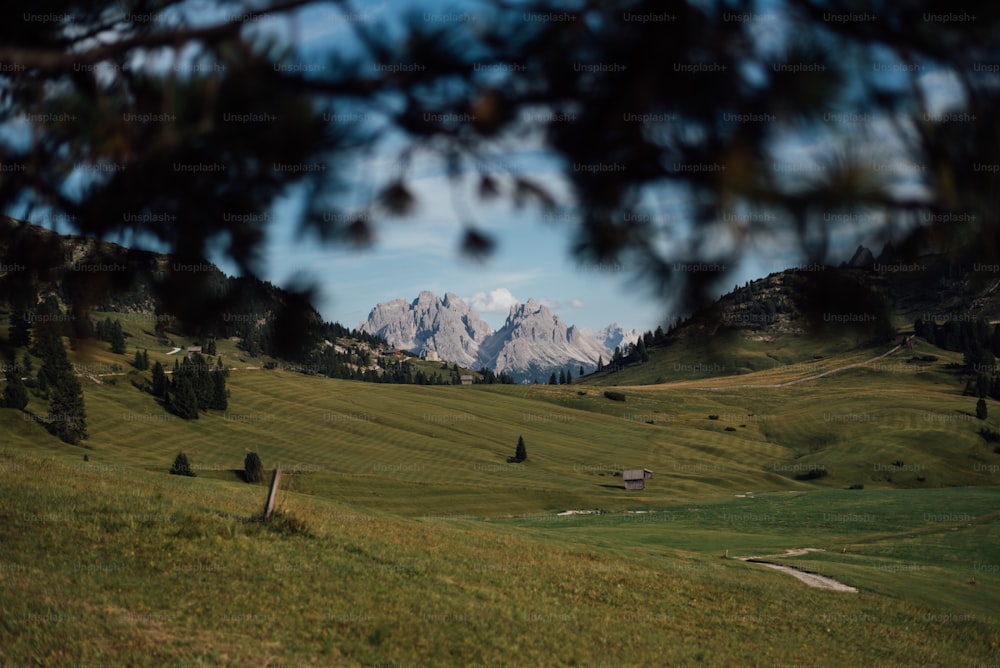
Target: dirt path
x,y
808,577
820,375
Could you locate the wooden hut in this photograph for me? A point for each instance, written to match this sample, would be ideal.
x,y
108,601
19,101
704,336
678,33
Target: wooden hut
x,y
636,478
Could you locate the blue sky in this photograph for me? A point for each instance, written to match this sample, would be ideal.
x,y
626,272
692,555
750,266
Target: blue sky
x,y
532,257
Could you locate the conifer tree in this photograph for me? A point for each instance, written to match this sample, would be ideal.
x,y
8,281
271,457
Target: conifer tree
x,y
521,453
253,469
116,337
68,417
42,385
19,329
15,394
183,400
182,466
160,383
58,380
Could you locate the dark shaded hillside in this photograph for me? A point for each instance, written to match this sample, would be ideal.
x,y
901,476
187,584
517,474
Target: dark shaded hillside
x,y
194,298
807,313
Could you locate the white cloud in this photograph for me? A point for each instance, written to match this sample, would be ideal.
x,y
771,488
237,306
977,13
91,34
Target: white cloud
x,y
558,304
494,301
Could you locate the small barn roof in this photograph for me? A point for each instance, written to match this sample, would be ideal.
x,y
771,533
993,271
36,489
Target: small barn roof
x,y
636,474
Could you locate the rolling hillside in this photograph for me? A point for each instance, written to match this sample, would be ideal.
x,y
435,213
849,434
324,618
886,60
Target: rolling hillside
x,y
405,536
350,440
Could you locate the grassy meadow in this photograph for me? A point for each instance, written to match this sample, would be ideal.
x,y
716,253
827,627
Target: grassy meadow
x,y
406,538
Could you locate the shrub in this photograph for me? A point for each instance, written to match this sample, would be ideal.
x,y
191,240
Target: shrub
x,y
856,485
812,474
182,466
15,395
989,435
614,396
730,428
713,417
288,525
253,469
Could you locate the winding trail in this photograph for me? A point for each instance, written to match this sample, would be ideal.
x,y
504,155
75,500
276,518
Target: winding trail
x,y
824,373
808,577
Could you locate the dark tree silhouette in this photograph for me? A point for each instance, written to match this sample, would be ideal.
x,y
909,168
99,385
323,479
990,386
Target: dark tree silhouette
x,y
190,148
521,452
253,469
182,466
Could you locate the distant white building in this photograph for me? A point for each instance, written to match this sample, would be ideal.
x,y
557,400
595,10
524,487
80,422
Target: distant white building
x,y
432,356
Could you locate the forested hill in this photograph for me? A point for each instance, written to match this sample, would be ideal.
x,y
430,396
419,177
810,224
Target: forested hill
x,y
41,270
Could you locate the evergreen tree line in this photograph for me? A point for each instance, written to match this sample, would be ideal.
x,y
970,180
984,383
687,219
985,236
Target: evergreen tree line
x,y
979,343
634,353
350,365
402,372
985,385
111,332
565,377
55,382
194,386
489,377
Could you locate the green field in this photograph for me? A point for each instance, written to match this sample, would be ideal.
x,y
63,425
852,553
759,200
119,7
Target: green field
x,y
406,538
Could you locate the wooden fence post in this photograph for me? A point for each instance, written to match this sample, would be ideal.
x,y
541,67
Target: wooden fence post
x,y
272,494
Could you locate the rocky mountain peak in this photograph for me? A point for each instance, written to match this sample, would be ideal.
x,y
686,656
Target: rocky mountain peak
x,y
862,258
533,341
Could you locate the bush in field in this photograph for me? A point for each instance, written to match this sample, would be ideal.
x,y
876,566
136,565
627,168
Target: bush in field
x,y
182,466
614,396
253,470
989,435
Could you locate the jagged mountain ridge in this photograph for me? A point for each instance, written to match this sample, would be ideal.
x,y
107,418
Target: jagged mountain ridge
x,y
448,327
533,340
615,335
